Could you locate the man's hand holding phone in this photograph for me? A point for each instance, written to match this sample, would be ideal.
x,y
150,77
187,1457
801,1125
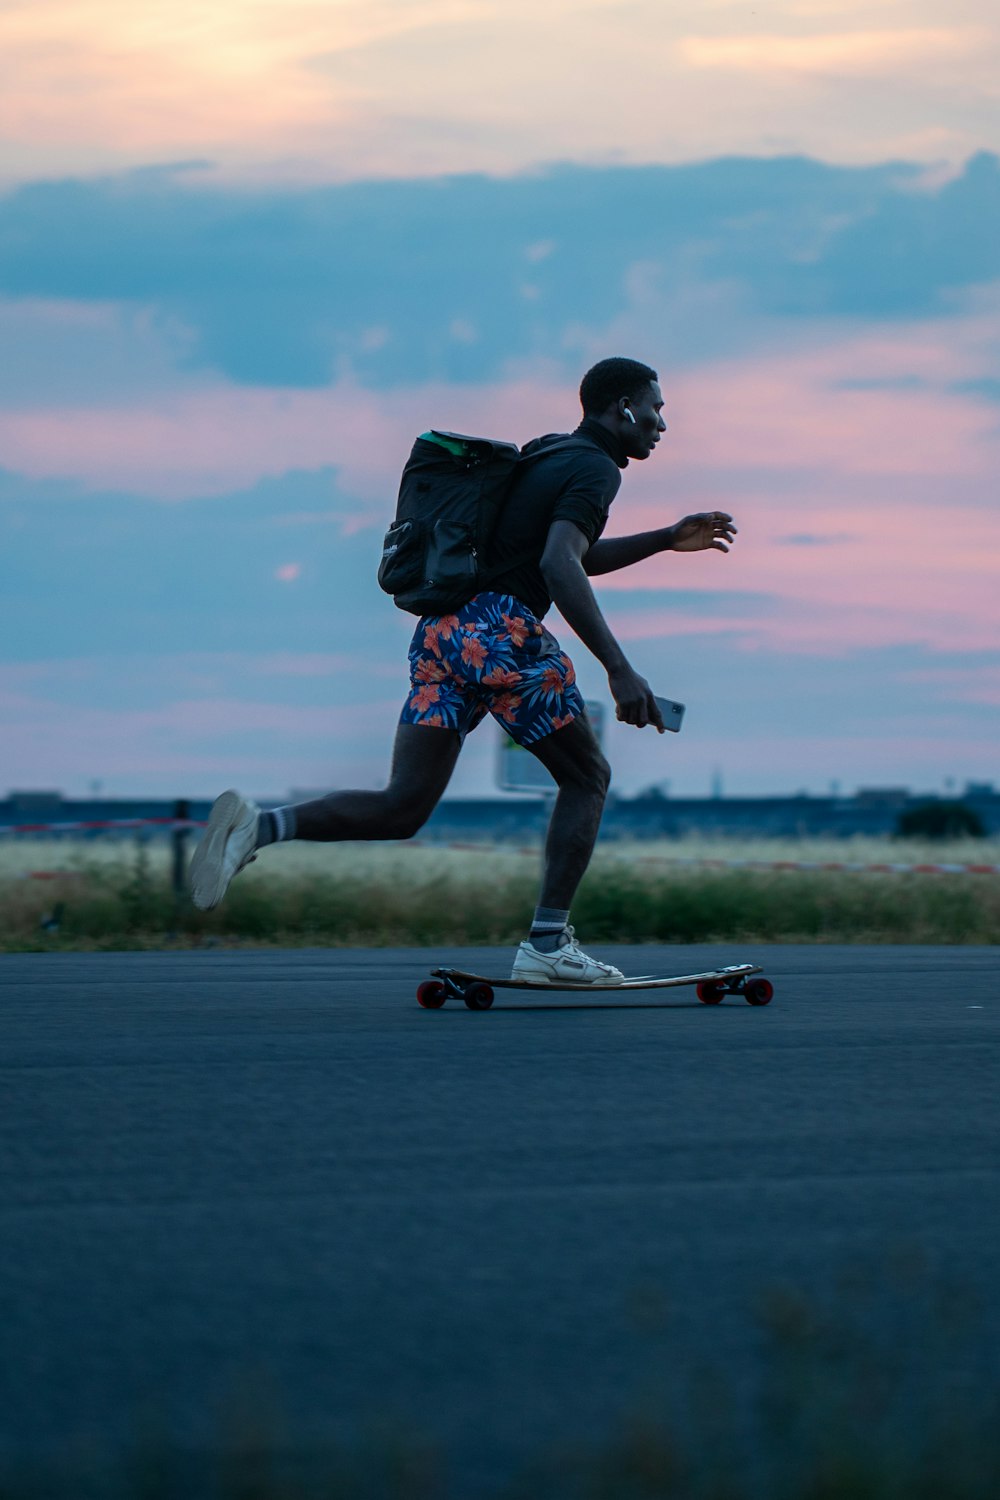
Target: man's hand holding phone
x,y
635,702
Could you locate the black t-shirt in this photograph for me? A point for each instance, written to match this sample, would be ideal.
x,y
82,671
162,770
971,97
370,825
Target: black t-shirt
x,y
576,482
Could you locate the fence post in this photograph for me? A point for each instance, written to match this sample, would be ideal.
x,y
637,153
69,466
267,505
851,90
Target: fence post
x,y
178,839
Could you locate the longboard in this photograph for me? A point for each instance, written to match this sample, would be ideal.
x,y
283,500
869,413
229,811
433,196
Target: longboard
x,y
711,987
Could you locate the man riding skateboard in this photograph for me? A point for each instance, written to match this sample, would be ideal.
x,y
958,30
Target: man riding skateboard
x,y
494,655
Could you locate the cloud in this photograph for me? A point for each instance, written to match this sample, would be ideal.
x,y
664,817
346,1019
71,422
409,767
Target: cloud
x,y
870,715
952,681
395,283
988,388
55,348
90,574
619,595
210,441
812,539
789,416
190,747
166,658
314,90
827,342
171,76
827,53
883,383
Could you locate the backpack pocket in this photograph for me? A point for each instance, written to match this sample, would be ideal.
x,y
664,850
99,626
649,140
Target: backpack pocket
x,y
451,559
429,571
402,565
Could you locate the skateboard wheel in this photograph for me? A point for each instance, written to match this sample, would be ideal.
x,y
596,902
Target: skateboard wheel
x,y
431,994
758,991
478,996
710,991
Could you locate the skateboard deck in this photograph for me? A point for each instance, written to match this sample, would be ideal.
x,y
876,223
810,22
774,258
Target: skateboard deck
x,y
712,986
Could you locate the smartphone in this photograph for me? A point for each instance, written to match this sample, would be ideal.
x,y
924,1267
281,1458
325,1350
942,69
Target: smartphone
x,y
671,713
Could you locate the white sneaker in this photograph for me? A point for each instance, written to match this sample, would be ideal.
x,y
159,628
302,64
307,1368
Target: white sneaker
x,y
227,844
567,965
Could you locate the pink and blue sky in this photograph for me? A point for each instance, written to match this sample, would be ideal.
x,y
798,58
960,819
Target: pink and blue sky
x,y
247,252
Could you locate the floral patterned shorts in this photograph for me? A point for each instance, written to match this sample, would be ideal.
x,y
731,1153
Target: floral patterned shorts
x,y
492,656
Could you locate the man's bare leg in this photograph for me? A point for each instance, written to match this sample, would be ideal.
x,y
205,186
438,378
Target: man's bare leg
x,y
574,758
422,762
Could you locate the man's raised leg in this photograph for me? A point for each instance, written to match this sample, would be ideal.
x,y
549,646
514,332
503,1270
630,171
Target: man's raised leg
x,y
422,762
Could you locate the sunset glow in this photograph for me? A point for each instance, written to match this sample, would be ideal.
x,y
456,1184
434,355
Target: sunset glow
x,y
249,250
333,88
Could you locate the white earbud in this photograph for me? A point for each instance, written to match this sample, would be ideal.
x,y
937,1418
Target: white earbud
x,y
629,415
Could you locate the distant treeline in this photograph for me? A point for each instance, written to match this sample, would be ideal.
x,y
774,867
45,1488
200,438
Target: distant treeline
x,y
651,815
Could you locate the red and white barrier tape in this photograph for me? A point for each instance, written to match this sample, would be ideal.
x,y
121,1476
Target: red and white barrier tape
x,y
700,862
87,827
662,862
853,866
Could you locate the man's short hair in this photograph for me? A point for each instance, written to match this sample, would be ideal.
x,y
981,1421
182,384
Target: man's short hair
x,y
611,379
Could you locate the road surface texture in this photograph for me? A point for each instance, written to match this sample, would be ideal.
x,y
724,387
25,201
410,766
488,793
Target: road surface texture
x,y
234,1180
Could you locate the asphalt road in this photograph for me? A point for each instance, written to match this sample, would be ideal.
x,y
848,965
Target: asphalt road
x,y
231,1178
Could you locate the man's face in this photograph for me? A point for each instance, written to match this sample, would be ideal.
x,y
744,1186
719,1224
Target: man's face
x,y
642,435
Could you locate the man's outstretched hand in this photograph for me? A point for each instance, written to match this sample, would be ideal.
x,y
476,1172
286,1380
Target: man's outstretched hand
x,y
711,528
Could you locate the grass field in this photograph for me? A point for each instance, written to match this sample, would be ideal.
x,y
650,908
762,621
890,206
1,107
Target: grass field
x,y
79,894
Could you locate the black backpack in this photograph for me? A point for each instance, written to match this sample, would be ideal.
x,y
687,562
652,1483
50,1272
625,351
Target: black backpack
x,y
450,497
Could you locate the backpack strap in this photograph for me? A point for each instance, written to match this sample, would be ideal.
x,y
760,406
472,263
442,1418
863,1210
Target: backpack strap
x,y
528,554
